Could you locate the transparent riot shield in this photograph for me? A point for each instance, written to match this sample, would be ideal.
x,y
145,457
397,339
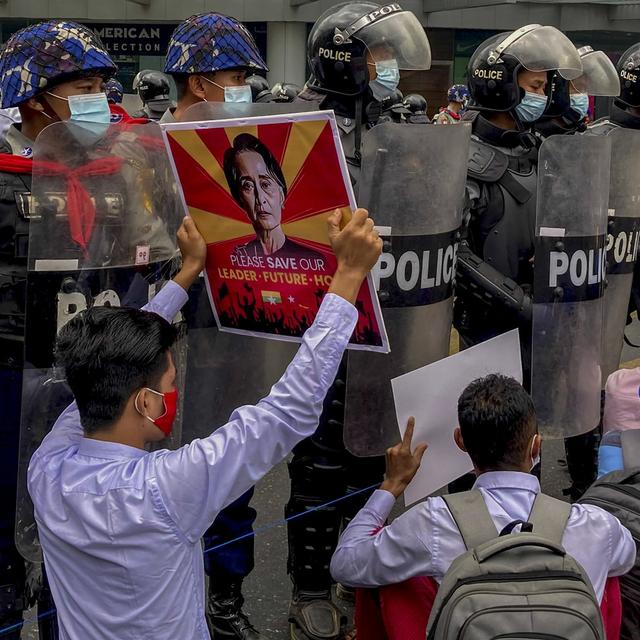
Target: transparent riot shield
x,y
225,370
103,215
569,274
412,183
623,236
203,111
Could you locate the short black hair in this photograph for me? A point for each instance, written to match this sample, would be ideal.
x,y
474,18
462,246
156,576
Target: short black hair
x,y
181,81
497,420
248,142
109,352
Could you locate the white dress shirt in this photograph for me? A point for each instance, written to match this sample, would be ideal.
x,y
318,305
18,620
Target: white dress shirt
x,y
425,540
120,527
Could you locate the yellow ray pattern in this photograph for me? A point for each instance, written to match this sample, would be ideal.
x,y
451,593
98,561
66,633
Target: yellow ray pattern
x,y
313,228
191,142
215,228
233,132
302,139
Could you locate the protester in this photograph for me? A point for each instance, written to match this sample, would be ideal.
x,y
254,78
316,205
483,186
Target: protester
x,y
621,413
120,527
458,98
498,430
209,57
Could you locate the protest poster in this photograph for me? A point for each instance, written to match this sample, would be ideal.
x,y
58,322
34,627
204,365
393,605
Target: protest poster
x,y
260,190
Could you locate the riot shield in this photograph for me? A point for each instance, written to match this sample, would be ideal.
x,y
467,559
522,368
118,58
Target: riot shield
x,y
413,182
623,236
569,274
103,215
225,370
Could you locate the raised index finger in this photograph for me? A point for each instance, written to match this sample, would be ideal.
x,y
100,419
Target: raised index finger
x,y
408,434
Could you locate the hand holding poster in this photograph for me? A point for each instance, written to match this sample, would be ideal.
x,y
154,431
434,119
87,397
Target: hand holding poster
x,y
260,191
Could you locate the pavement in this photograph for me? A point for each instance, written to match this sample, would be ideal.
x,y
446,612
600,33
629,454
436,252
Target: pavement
x,y
268,588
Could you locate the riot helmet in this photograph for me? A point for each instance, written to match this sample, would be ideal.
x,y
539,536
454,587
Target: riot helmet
x,y
285,91
42,55
416,103
114,91
151,85
459,93
629,74
209,42
260,91
349,37
494,67
569,98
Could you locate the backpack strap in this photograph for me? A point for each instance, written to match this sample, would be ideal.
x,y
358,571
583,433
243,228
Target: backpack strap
x,y
631,448
471,517
549,517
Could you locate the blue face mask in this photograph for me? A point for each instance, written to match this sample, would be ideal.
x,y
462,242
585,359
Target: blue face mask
x,y
387,75
233,94
580,102
531,107
238,94
90,112
92,107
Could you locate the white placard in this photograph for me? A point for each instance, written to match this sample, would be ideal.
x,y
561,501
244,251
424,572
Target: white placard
x,y
431,393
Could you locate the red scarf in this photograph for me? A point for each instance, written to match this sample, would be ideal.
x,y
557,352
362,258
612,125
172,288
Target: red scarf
x,y
80,208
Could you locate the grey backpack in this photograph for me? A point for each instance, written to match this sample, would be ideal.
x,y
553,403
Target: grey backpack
x,y
618,493
512,586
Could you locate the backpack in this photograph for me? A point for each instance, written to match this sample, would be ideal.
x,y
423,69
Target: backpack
x,y
514,585
618,493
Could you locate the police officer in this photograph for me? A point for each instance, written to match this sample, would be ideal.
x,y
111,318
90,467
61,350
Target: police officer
x,y
153,89
457,99
285,91
209,58
356,52
114,91
417,106
510,83
42,69
260,91
568,108
625,110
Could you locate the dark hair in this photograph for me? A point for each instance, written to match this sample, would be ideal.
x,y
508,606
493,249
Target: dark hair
x,y
248,142
181,81
497,420
109,352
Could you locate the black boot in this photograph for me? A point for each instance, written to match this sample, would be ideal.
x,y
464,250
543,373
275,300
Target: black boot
x,y
225,616
314,616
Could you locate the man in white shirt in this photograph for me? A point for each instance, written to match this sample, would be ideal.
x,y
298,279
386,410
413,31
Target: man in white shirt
x,y
498,429
120,527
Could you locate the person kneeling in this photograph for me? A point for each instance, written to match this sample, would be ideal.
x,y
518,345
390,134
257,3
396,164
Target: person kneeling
x,y
120,527
498,429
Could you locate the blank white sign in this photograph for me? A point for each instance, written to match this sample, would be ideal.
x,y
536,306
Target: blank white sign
x,y
431,393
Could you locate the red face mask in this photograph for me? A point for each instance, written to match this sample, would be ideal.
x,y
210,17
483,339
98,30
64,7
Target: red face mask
x,y
165,421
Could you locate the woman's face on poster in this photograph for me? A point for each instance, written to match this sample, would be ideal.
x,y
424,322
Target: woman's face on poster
x,y
261,196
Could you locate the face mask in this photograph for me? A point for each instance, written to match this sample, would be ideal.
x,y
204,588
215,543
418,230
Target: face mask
x,y
534,461
580,102
165,421
531,107
91,112
387,75
233,94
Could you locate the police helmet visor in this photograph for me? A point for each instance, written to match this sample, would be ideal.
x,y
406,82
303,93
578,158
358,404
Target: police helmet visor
x,y
599,76
398,36
540,48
